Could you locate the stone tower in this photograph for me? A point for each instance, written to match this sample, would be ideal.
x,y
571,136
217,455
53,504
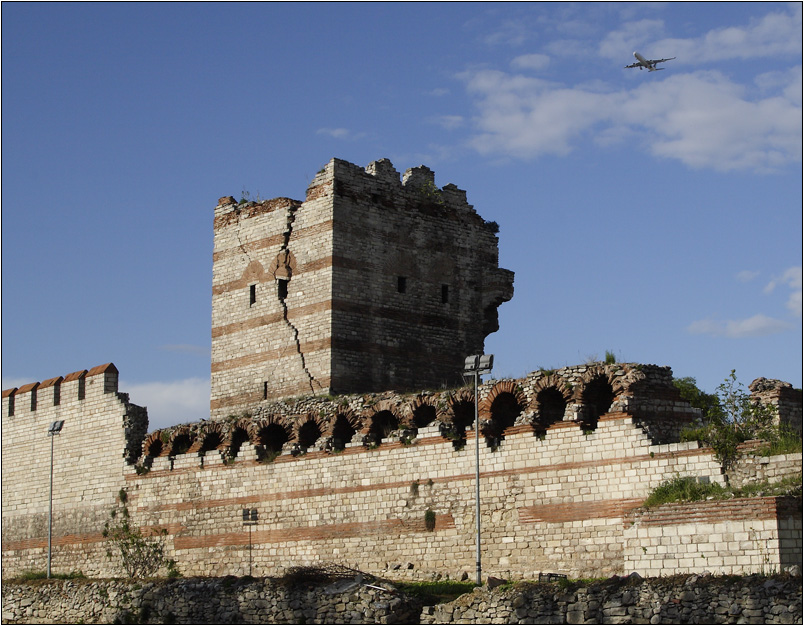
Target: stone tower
x,y
372,283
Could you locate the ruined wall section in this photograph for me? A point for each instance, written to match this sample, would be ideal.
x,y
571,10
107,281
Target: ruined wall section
x,y
102,435
782,396
371,283
416,282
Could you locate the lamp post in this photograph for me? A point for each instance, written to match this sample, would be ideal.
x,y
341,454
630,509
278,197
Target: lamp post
x,y
249,519
474,366
55,429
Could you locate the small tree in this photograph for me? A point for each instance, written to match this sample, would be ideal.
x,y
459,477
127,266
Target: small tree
x,y
731,417
141,556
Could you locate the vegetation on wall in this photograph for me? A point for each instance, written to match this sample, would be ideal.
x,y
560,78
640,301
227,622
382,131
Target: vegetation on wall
x,y
690,489
731,416
140,555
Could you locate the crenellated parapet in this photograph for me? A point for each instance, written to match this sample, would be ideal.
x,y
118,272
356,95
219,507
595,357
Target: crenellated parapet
x,y
76,397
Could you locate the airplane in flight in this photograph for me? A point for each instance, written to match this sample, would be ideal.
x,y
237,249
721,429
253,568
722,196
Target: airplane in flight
x,y
647,63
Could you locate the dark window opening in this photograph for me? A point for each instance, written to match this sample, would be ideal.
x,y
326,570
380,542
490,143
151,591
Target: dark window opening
x,y
342,433
597,398
444,294
382,425
11,405
504,411
33,400
181,444
56,395
155,449
82,388
282,288
309,433
270,439
211,442
252,294
239,437
424,415
265,390
401,284
552,406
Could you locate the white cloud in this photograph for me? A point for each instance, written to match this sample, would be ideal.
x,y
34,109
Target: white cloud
x,y
773,35
449,122
336,133
756,326
531,62
746,276
703,119
792,278
629,37
170,403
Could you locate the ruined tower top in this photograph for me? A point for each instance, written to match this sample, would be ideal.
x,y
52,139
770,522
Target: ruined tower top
x,y
373,282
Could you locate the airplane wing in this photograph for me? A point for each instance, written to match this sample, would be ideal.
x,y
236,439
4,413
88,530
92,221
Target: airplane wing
x,y
652,62
633,65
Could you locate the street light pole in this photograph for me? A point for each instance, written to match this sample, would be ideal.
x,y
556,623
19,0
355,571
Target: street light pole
x,y
55,429
477,365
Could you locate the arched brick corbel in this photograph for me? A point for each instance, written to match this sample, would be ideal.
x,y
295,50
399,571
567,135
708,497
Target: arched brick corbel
x,y
599,371
178,439
485,404
210,437
154,446
421,405
353,419
381,407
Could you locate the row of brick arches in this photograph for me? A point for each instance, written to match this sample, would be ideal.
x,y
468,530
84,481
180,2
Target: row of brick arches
x,y
503,406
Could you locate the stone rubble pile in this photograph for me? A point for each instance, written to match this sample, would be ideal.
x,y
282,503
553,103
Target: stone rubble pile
x,y
227,600
631,600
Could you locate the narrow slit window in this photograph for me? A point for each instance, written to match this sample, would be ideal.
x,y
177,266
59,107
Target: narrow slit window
x,y
11,405
401,284
444,294
265,390
252,294
56,395
282,289
82,388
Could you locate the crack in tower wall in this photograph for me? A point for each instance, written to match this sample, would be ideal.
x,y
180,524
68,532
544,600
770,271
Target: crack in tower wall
x,y
291,217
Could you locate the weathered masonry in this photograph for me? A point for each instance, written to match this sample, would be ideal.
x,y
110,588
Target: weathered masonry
x,y
371,283
375,283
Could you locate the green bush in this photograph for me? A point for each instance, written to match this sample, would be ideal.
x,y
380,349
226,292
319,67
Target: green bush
x,y
684,489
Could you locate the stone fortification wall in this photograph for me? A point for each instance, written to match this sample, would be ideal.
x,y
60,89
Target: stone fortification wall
x,y
101,436
680,600
385,482
371,283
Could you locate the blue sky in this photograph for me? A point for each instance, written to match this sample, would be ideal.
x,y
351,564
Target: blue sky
x,y
656,215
